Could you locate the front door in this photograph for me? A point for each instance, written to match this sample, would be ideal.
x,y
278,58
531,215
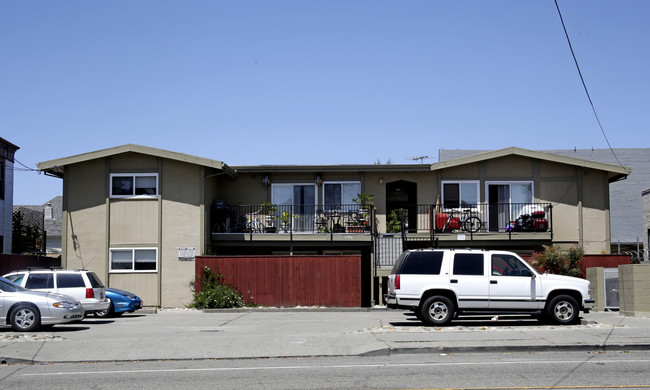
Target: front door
x,y
403,195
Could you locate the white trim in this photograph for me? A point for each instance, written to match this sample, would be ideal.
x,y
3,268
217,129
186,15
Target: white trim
x,y
134,176
132,270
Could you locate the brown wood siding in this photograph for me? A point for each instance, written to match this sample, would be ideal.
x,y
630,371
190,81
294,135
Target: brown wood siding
x,y
287,281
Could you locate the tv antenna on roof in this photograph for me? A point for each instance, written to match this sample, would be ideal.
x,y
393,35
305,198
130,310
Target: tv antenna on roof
x,y
420,158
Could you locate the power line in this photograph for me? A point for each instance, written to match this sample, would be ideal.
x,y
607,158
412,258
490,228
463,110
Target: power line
x,y
24,168
584,85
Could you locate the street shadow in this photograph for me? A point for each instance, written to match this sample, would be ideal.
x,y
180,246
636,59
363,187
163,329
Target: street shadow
x,y
508,320
62,328
130,315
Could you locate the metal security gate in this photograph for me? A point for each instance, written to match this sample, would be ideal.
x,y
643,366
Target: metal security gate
x,y
611,288
388,247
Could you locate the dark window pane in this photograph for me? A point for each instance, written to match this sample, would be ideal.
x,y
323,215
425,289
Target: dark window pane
x,y
423,263
122,185
451,194
145,260
94,280
468,264
69,280
145,185
39,281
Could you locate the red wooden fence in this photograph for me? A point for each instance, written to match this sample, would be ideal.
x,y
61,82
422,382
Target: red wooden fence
x,y
288,281
10,263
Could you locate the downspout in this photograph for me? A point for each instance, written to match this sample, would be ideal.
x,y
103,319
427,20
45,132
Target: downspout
x,y
160,224
580,216
64,224
107,222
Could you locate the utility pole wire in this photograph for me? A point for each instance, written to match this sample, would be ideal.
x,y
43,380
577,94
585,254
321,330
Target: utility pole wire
x,y
584,85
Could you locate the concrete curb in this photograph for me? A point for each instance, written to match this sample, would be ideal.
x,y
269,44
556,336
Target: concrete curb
x,y
380,352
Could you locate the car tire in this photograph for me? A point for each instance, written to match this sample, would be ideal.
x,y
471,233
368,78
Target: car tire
x,y
437,310
563,310
25,318
108,313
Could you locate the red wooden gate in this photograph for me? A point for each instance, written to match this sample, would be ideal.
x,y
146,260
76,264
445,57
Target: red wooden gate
x,y
288,281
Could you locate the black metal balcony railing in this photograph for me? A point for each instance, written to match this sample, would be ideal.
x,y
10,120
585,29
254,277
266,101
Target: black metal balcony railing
x,y
347,218
352,218
479,218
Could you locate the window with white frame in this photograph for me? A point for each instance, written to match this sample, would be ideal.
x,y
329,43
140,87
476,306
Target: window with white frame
x,y
462,193
133,260
338,193
124,185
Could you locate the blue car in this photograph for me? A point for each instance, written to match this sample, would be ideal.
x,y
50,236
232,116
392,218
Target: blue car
x,y
121,302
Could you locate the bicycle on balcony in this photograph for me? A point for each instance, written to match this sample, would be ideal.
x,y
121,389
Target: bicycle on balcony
x,y
250,223
468,221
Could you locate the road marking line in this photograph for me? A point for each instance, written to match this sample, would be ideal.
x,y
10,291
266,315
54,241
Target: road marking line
x,y
338,366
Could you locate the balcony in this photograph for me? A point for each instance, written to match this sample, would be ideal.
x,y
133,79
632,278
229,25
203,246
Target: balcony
x,y
473,219
278,222
498,219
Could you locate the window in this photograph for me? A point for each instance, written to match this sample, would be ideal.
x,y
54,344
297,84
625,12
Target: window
x,y
468,264
338,193
69,280
35,281
508,265
134,260
458,194
297,199
131,185
423,263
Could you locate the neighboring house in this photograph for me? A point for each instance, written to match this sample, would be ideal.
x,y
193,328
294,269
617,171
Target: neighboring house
x,y
135,215
625,203
7,151
47,218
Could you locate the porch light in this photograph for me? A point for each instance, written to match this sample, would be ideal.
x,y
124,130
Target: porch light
x,y
266,181
318,181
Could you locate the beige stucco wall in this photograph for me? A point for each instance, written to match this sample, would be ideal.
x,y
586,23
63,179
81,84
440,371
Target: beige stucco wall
x,y
634,289
182,228
175,219
85,227
596,277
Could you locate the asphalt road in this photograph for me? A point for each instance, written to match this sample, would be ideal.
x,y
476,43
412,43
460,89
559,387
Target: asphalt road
x,y
571,370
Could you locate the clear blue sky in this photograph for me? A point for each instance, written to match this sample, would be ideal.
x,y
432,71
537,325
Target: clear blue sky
x,y
317,82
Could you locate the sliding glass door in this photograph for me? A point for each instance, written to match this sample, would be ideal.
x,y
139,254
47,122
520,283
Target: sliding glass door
x,y
299,201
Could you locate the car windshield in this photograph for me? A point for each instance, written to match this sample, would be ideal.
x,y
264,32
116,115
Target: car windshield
x,y
9,286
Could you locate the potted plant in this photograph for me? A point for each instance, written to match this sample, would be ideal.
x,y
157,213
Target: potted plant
x,y
285,220
270,210
364,200
360,219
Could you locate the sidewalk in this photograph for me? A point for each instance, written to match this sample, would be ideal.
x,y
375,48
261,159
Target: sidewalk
x,y
179,334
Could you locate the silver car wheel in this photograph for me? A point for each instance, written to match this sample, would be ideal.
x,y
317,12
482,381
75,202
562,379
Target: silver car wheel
x,y
25,318
438,311
563,310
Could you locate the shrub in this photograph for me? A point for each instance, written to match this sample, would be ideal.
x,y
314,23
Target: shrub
x,y
555,261
215,293
394,221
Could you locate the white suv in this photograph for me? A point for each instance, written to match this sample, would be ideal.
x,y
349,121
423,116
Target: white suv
x,y
440,284
81,284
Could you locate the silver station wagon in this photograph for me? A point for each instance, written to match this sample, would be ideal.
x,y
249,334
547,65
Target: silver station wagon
x,y
27,310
